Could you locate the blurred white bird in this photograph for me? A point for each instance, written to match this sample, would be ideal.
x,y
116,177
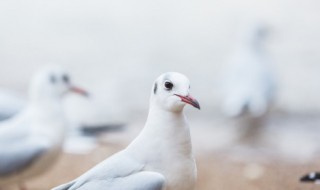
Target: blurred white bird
x,y
161,156
249,83
31,141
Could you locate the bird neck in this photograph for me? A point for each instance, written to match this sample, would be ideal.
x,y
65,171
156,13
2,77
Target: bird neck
x,y
47,119
164,119
50,106
164,131
39,99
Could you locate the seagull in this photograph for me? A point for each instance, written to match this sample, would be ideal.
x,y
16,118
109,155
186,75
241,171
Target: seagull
x,y
31,141
161,155
249,83
313,177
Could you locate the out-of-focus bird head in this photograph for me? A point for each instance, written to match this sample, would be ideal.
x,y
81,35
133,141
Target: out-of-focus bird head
x,y
255,34
52,82
171,92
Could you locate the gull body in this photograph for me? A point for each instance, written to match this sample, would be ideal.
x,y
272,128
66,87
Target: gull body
x,y
31,141
249,84
161,156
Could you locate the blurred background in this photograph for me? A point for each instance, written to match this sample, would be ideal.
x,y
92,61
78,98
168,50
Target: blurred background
x,y
116,49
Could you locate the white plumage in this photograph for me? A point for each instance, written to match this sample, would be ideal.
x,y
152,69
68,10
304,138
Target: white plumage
x,y
161,156
249,84
31,141
10,103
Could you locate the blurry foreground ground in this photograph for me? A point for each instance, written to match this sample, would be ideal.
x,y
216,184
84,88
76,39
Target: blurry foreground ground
x,y
215,173
234,167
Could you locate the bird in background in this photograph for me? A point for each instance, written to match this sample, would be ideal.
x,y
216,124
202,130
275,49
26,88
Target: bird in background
x,y
248,79
31,141
161,155
249,82
313,177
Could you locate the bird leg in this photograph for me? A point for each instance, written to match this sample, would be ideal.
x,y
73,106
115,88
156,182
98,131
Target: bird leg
x,y
252,129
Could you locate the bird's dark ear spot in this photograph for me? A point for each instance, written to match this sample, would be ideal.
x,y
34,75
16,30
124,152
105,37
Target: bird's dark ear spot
x,y
52,79
155,88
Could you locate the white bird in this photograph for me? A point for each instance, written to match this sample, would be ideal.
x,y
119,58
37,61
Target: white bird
x,y
249,84
31,141
161,156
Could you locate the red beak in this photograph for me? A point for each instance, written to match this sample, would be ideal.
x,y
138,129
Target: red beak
x,y
79,91
189,100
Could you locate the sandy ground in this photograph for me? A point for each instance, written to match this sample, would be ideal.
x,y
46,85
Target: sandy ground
x,y
236,166
215,172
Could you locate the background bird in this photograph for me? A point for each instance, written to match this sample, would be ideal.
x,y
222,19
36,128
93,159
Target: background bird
x,y
161,156
313,177
248,81
31,141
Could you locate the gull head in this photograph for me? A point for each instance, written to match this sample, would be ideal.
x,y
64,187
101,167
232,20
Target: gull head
x,y
171,92
53,82
254,34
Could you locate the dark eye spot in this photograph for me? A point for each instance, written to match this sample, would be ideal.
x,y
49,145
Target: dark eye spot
x,y
168,85
66,78
155,88
53,79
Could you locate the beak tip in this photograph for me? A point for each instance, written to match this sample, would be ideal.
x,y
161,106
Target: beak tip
x,y
86,94
189,100
196,104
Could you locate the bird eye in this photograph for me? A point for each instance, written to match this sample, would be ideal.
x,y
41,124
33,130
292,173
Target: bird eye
x,y
66,78
168,85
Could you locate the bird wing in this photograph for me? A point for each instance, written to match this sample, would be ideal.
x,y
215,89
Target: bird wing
x,y
18,156
11,135
138,181
10,104
119,171
14,128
